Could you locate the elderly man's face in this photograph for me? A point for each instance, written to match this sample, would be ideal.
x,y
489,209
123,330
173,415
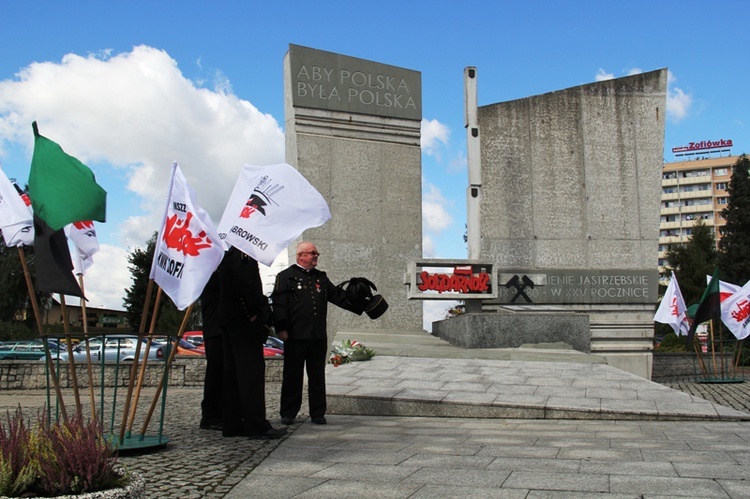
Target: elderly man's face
x,y
307,256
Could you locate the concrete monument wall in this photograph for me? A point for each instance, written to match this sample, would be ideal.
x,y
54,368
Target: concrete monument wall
x,y
353,130
572,180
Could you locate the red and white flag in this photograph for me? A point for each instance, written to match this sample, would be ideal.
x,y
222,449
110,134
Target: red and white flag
x,y
83,236
16,215
269,207
188,249
672,309
735,312
725,289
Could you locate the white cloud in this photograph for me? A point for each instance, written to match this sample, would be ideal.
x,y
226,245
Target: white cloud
x,y
435,214
106,279
435,310
679,103
602,75
434,133
129,116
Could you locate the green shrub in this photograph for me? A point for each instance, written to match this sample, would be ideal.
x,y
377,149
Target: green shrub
x,y
671,343
71,457
18,470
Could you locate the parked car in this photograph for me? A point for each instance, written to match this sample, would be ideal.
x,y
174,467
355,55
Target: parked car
x,y
271,352
184,347
194,337
274,342
114,346
26,349
273,347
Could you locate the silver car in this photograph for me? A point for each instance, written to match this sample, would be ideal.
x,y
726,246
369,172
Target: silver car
x,y
114,346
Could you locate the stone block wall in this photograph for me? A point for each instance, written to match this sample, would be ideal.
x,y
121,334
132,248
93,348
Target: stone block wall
x,y
185,371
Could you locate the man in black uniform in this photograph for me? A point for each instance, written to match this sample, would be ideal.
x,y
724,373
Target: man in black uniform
x,y
244,315
213,381
300,306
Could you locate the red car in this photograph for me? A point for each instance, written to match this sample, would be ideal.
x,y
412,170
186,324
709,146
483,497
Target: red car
x,y
270,350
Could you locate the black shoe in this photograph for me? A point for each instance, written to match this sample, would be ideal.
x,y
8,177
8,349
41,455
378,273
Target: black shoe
x,y
210,426
320,420
270,434
287,421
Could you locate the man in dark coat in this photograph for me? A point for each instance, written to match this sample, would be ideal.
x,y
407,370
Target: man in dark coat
x,y
244,315
300,306
213,382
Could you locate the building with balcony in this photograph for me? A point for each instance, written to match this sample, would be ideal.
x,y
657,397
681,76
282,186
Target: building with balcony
x,y
692,190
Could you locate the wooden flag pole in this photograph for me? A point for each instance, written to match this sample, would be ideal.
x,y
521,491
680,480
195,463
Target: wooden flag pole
x,y
165,377
69,347
134,366
90,372
142,373
38,317
713,346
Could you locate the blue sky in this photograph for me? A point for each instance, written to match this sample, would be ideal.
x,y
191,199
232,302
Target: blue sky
x,y
130,86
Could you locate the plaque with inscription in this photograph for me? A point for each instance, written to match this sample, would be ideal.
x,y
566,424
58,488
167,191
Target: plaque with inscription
x,y
335,82
611,286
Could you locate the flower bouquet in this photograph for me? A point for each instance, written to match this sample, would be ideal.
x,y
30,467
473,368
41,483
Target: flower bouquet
x,y
349,351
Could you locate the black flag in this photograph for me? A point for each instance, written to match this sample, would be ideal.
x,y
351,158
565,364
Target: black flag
x,y
54,268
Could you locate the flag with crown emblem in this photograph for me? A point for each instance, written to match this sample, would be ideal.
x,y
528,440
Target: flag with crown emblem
x,y
188,249
269,207
83,236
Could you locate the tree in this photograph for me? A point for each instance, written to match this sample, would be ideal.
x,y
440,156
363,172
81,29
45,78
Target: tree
x,y
14,293
168,318
734,245
692,261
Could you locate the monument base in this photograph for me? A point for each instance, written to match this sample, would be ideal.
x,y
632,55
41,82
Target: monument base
x,y
511,330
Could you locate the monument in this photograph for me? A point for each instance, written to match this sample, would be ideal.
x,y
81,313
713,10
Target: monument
x,y
353,130
564,200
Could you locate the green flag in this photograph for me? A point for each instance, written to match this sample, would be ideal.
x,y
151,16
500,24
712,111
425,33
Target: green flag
x,y
62,189
709,306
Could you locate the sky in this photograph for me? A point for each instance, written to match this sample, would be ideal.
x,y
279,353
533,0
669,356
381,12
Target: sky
x,y
128,87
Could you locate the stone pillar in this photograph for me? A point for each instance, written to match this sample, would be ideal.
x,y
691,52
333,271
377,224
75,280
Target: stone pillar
x,y
572,180
353,130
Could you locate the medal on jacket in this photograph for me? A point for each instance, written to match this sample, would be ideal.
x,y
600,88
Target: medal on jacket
x,y
317,286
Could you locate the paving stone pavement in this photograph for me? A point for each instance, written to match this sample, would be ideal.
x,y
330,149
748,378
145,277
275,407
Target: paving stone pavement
x,y
371,456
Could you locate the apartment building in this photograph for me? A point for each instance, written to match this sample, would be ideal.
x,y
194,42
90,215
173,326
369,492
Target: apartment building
x,y
694,188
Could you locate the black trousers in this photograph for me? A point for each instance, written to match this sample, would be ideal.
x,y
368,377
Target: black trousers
x,y
298,355
213,383
244,396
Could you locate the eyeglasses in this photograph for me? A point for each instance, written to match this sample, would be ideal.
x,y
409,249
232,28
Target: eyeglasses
x,y
313,253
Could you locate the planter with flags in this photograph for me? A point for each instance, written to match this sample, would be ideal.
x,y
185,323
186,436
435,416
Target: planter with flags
x,y
269,207
16,218
672,309
709,306
735,312
188,249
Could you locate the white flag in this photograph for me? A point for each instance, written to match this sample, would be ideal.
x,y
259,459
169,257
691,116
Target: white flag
x,y
270,206
16,215
83,236
672,309
735,312
188,249
725,289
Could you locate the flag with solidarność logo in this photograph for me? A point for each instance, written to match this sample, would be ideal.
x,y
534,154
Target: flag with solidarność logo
x,y
188,249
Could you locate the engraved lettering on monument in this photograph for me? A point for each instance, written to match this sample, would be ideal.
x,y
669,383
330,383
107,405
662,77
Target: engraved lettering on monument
x,y
324,80
577,286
